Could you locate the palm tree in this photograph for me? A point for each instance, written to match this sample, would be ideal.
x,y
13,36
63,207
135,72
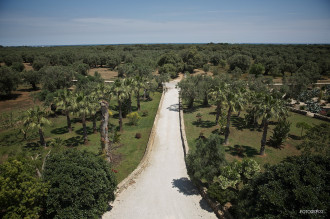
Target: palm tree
x,y
64,100
122,93
129,83
36,117
139,83
268,106
235,101
82,107
218,94
105,144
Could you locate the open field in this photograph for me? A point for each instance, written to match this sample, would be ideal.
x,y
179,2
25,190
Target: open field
x,y
105,73
244,142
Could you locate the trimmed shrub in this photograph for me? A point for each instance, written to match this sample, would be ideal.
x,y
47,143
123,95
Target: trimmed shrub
x,y
145,113
81,185
280,133
138,135
133,118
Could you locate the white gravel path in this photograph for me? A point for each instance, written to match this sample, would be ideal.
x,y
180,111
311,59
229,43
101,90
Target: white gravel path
x,y
163,189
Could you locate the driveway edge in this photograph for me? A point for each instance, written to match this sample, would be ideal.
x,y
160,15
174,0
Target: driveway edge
x,y
144,161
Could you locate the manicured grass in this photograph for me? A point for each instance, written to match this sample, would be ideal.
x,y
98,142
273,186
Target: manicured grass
x,y
126,157
244,141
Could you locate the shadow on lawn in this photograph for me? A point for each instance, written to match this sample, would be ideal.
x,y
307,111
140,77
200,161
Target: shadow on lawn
x,y
81,131
60,131
204,124
239,123
242,151
74,141
32,146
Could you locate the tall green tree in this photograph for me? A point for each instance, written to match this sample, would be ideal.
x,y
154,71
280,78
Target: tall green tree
x,y
121,92
9,80
64,100
236,99
269,106
218,94
37,118
81,106
288,190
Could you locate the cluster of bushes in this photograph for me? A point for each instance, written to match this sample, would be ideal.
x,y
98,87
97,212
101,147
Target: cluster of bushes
x,y
71,184
279,191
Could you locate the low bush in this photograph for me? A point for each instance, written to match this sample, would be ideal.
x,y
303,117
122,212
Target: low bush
x,y
81,185
138,135
133,118
280,133
145,113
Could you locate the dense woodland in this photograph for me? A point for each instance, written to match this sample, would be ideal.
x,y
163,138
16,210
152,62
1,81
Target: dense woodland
x,y
235,78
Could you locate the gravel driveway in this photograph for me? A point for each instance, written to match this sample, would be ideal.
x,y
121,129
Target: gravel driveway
x,y
163,189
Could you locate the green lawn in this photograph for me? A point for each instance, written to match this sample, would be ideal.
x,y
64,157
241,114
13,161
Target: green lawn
x,y
127,156
244,142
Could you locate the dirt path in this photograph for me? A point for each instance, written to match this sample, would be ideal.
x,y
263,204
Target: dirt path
x,y
163,189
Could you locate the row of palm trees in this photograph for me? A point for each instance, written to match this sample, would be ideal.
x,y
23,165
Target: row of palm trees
x,y
234,96
85,103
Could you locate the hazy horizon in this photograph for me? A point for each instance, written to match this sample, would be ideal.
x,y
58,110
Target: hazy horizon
x,y
54,23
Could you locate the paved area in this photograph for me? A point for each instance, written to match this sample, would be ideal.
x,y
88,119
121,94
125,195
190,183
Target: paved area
x,y
163,189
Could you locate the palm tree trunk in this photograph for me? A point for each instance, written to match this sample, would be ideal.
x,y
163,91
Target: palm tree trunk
x,y
191,103
84,129
138,100
94,124
68,120
42,138
227,130
104,130
120,117
130,102
264,137
218,111
206,100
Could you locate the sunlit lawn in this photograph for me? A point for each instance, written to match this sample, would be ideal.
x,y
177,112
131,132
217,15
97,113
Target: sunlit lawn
x,y
244,141
126,157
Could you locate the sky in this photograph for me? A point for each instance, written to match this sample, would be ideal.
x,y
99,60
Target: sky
x,y
75,22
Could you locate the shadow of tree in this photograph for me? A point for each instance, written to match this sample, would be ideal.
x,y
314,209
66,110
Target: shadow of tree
x,y
32,146
204,205
204,123
9,97
294,137
242,151
185,186
173,107
81,131
74,141
60,131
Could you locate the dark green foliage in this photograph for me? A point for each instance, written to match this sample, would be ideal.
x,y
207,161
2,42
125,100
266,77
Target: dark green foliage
x,y
257,69
17,66
40,62
81,68
81,185
31,77
113,61
280,133
298,183
56,77
9,80
205,161
22,194
222,195
241,61
168,69
192,59
317,140
12,58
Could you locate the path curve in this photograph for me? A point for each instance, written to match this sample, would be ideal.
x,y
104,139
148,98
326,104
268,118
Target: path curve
x,y
163,189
